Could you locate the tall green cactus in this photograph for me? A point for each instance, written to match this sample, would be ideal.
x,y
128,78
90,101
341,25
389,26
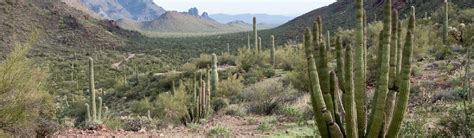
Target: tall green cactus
x,y
272,52
446,22
99,112
359,70
387,61
392,86
255,33
92,89
214,75
404,78
377,116
315,91
88,113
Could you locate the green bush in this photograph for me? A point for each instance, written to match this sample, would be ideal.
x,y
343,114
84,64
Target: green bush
x,y
219,103
230,87
266,96
140,107
264,126
139,123
25,99
247,59
172,107
219,131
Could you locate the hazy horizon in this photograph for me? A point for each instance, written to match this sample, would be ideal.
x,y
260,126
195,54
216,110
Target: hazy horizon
x,y
290,8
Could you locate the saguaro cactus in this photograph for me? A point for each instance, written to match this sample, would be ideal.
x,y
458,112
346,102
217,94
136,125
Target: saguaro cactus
x,y
92,88
260,44
272,52
446,22
255,33
348,79
214,75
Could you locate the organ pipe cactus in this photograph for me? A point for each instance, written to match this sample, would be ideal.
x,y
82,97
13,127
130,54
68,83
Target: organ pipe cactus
x,y
392,86
88,113
259,44
359,70
348,66
404,78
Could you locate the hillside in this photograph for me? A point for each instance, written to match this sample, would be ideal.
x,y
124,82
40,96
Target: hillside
x,y
341,14
263,18
139,10
61,28
175,22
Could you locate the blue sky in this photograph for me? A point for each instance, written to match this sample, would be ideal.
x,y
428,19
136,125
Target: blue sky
x,y
278,7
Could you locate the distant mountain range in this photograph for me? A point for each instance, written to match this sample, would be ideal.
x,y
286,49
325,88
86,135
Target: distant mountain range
x,y
261,18
140,10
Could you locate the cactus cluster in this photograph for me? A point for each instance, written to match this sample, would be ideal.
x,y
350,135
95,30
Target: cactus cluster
x,y
393,77
203,90
92,114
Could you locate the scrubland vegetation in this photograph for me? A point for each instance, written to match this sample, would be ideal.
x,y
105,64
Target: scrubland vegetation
x,y
413,80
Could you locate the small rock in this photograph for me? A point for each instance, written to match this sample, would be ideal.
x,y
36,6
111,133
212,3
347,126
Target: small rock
x,y
142,130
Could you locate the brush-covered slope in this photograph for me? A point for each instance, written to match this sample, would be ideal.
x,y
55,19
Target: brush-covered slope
x,y
139,10
175,22
341,14
60,27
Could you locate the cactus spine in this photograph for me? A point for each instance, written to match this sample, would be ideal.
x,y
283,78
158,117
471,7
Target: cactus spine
x,y
272,52
446,22
255,33
404,89
92,89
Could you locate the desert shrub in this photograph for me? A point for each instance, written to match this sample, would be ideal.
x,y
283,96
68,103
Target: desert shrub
x,y
226,59
172,107
235,110
289,57
139,123
264,126
266,96
247,59
203,61
219,131
26,97
230,87
113,122
219,103
193,126
454,123
298,79
140,107
292,113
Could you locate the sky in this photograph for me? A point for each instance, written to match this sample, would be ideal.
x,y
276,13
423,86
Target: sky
x,y
275,7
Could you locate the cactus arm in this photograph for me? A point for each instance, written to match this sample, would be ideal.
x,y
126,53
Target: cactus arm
x,y
383,74
340,63
315,91
400,50
337,101
348,96
88,113
324,79
402,101
99,112
359,70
